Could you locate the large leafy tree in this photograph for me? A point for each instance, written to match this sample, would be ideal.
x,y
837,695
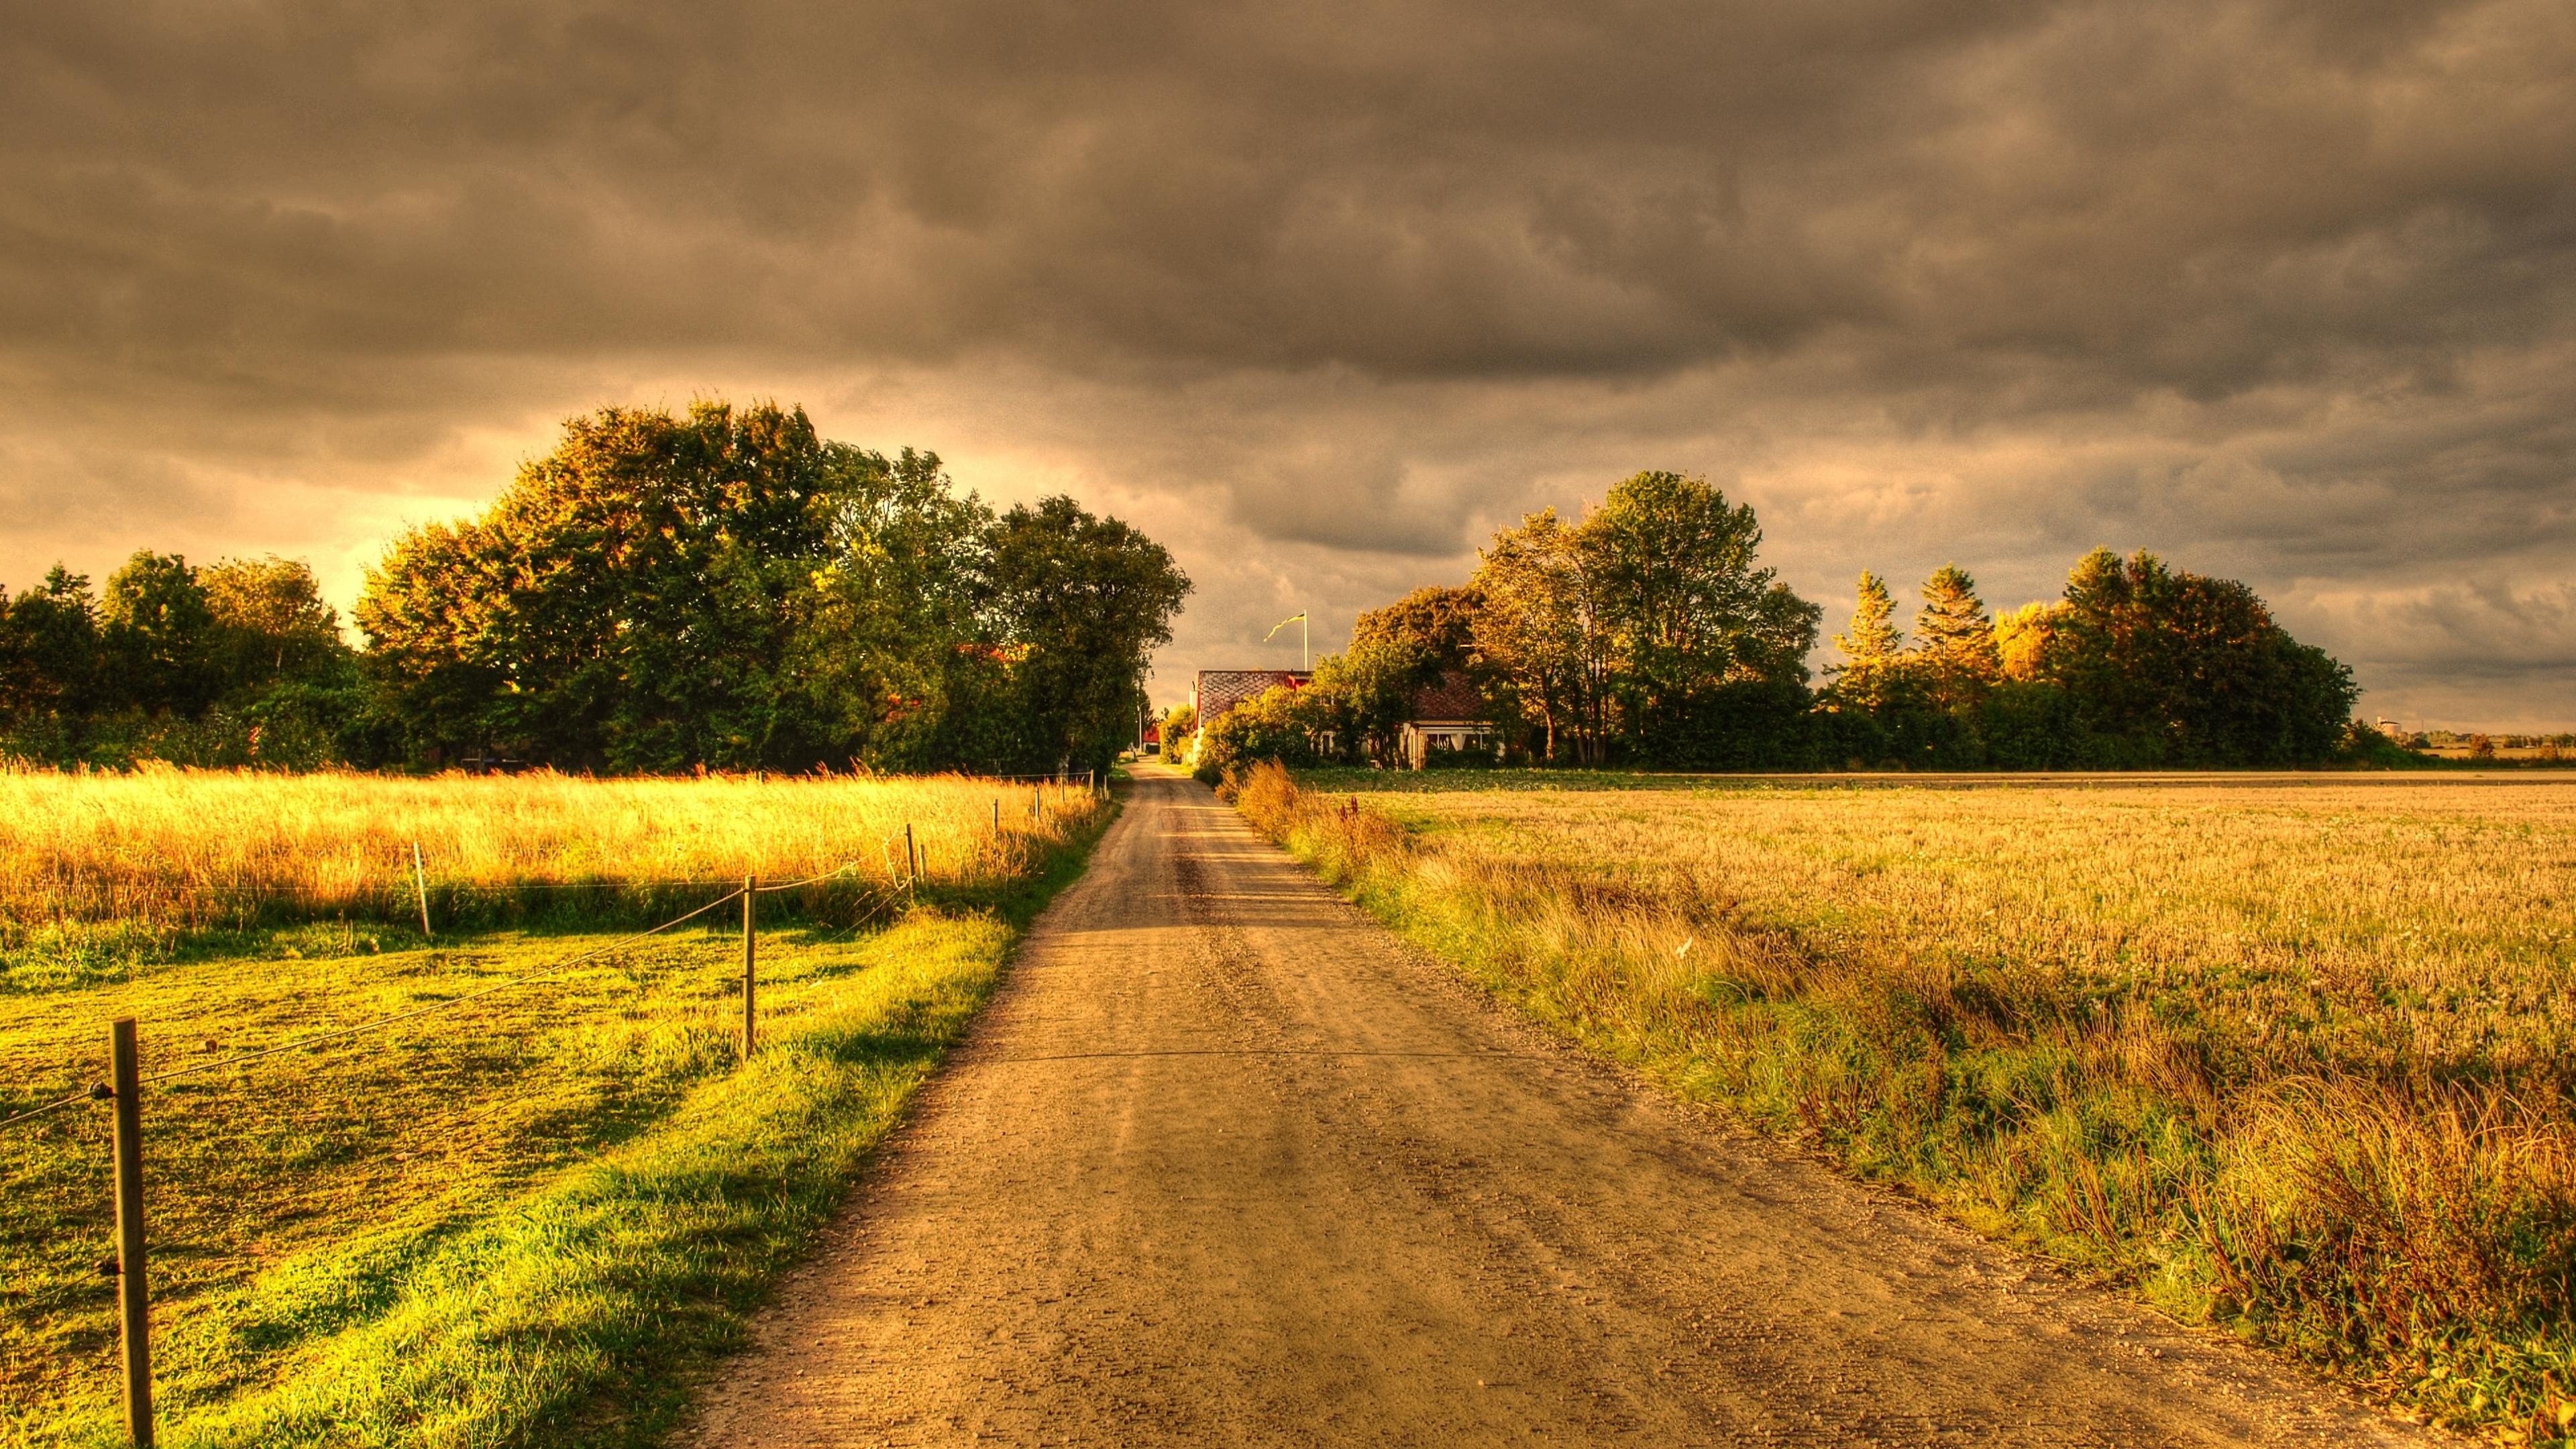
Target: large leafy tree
x,y
1650,626
1085,600
629,603
1436,623
1683,599
1539,638
158,637
2169,667
892,645
1367,692
270,623
49,650
729,589
1396,652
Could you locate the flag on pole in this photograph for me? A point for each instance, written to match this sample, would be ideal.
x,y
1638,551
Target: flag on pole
x,y
1298,619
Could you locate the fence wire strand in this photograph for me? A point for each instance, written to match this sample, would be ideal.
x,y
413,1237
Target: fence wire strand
x,y
73,1100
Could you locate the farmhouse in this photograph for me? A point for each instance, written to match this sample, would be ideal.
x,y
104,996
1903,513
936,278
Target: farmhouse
x,y
1215,692
1447,715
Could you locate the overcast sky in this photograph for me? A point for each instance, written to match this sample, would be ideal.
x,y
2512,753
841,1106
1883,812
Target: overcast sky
x,y
1321,294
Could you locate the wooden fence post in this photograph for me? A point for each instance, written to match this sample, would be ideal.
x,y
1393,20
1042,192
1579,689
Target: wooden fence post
x,y
133,1280
911,857
750,965
420,883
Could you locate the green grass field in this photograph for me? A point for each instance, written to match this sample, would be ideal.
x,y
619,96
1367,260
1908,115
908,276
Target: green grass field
x,y
2294,1058
528,1219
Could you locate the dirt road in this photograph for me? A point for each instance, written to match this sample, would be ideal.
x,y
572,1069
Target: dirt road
x,y
1225,1164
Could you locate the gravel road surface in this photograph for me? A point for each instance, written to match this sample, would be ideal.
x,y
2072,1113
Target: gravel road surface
x,y
1226,1164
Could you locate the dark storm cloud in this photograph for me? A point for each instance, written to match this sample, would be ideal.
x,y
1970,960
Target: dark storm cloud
x,y
1324,291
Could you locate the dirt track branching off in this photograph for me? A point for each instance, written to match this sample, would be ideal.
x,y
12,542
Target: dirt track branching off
x,y
2294,1059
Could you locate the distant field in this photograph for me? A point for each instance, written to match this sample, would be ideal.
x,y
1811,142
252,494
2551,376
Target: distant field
x,y
2296,1057
517,1220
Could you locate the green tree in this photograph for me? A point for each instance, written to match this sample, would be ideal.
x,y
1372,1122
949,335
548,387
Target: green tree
x,y
2167,667
893,654
1955,640
158,637
1437,622
1540,640
49,650
1283,724
270,624
641,598
1873,650
1687,608
1369,689
730,589
1088,599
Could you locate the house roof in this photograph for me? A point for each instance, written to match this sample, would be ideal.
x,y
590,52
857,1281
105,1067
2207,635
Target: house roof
x,y
1217,691
1454,697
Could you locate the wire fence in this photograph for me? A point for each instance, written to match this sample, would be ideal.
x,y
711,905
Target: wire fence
x,y
123,1092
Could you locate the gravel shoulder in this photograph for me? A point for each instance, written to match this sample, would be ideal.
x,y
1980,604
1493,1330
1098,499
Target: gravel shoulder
x,y
1225,1163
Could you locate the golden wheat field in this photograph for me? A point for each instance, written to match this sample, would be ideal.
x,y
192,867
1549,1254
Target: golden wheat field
x,y
97,861
2297,1058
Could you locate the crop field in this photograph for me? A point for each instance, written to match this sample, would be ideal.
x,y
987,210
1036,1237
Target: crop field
x,y
98,871
524,1214
2292,1058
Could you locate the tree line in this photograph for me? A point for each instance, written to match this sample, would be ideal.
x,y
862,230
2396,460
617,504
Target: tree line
x,y
1648,633
723,589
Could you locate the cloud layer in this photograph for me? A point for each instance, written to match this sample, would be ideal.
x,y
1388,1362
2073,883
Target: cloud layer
x,y
1323,293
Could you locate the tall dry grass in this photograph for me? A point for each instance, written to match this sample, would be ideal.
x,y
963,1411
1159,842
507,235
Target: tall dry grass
x,y
96,866
2296,1059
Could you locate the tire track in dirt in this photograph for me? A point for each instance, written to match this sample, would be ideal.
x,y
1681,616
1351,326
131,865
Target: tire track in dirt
x,y
1227,1164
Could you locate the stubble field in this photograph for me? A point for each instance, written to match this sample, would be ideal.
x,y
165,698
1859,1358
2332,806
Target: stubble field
x,y
2292,1058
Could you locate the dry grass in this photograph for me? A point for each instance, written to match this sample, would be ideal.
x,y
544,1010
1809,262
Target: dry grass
x,y
2298,1058
97,869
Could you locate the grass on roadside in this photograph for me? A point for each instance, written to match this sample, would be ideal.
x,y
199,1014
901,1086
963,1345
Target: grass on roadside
x,y
518,1221
2296,1060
